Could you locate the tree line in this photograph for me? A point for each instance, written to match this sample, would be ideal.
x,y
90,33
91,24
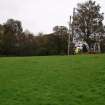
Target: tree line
x,y
16,42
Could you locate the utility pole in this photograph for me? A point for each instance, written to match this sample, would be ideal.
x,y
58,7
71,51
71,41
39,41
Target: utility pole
x,y
69,37
71,32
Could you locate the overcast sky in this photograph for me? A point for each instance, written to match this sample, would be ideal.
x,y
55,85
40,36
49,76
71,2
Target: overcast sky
x,y
40,15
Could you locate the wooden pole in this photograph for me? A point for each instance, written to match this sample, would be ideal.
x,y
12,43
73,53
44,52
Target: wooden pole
x,y
69,37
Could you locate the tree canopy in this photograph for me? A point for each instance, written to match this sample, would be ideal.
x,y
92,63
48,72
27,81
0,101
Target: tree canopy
x,y
88,19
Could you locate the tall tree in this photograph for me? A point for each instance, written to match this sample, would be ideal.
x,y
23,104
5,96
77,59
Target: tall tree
x,y
88,19
1,36
61,33
12,28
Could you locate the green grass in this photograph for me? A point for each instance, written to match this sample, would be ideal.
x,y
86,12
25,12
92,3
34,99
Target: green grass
x,y
52,80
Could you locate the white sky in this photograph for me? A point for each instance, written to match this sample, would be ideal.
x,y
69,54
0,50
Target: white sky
x,y
40,15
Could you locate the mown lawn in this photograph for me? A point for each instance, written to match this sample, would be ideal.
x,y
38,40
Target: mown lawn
x,y
52,80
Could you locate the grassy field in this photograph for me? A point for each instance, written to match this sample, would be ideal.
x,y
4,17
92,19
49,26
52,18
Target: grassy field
x,y
52,80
